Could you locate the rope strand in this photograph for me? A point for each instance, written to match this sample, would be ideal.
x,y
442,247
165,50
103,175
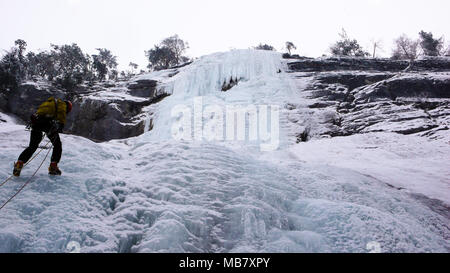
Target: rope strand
x,y
9,178
26,183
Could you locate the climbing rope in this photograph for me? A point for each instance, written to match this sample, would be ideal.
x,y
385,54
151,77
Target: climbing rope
x,y
9,178
27,182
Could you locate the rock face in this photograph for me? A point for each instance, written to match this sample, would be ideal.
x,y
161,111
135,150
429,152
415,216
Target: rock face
x,y
24,101
406,86
346,100
105,111
346,63
143,88
101,120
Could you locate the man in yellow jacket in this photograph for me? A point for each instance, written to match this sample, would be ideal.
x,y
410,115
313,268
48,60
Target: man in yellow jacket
x,y
50,119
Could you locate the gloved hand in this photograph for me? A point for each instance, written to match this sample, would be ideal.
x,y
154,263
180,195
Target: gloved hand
x,y
32,122
33,119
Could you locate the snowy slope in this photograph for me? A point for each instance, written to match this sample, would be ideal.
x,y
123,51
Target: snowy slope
x,y
155,194
412,163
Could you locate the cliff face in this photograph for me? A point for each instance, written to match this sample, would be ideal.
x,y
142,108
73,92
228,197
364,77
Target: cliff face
x,y
352,64
344,95
353,96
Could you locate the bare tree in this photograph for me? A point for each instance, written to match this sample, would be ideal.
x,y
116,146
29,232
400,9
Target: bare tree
x,y
290,46
406,48
376,44
447,51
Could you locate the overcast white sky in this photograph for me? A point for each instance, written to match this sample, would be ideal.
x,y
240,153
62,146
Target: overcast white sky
x,y
128,27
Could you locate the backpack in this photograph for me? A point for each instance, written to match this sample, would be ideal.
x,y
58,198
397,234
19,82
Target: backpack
x,y
53,109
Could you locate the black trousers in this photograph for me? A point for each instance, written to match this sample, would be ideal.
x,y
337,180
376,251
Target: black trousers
x,y
35,139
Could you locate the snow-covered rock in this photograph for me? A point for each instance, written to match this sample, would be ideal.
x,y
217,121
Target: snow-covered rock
x,y
351,102
101,112
365,64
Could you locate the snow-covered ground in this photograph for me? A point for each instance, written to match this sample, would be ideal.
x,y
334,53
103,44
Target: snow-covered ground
x,y
415,164
153,193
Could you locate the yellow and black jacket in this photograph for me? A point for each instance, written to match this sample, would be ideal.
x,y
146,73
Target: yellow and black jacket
x,y
54,109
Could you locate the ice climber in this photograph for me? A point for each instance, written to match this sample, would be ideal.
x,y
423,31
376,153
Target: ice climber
x,y
50,119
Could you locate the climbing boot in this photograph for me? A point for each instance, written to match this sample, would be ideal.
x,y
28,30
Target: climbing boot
x,y
17,168
53,169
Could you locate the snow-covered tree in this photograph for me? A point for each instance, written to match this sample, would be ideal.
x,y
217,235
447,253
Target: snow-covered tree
x,y
21,46
429,45
347,47
167,54
104,63
265,47
177,46
133,67
13,66
161,58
